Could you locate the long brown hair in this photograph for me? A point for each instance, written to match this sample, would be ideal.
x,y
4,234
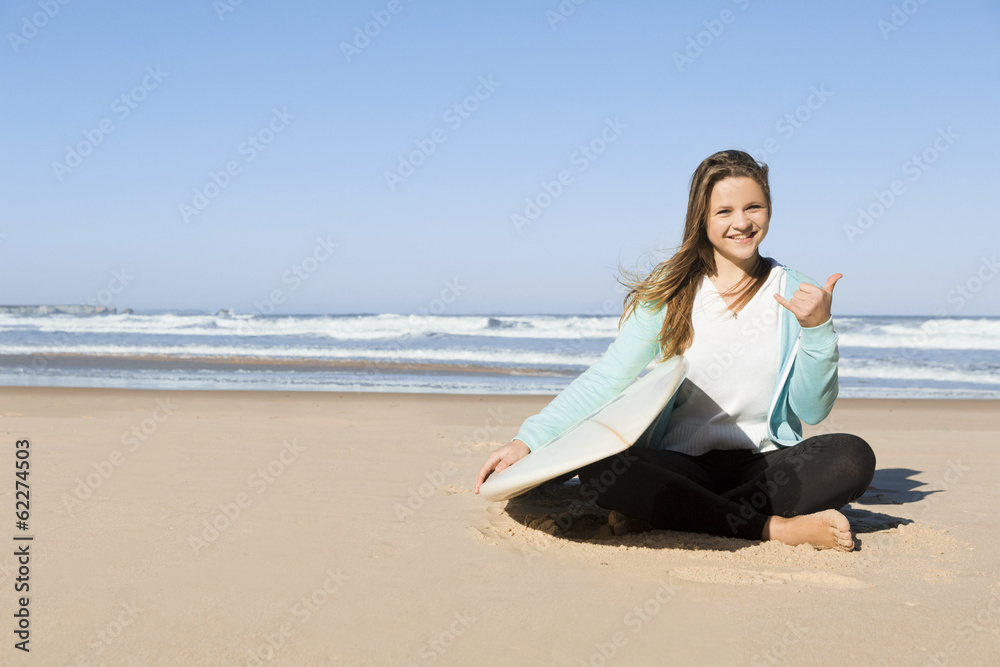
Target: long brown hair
x,y
675,281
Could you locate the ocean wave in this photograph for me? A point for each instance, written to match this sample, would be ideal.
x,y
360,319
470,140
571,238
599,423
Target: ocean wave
x,y
925,372
920,333
355,327
500,358
891,352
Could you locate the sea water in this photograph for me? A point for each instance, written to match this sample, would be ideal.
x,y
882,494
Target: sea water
x,y
903,357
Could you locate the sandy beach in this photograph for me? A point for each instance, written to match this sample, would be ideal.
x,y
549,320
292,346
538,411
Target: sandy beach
x,y
250,528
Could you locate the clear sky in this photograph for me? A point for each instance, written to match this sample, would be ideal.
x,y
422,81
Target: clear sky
x,y
260,155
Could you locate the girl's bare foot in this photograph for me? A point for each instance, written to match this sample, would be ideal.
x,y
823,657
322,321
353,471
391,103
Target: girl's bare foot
x,y
623,525
828,529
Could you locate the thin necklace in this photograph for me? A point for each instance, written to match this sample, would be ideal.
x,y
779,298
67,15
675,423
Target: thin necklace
x,y
723,298
736,315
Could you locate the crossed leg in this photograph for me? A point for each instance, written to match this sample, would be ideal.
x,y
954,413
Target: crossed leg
x,y
791,495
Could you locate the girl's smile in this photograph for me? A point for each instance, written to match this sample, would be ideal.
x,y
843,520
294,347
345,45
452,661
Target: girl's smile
x,y
742,238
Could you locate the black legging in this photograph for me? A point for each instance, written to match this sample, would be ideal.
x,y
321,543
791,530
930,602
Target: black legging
x,y
731,492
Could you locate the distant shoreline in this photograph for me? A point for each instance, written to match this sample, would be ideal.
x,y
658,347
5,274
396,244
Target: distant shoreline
x,y
68,309
64,360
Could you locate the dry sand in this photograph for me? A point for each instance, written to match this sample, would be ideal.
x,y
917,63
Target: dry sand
x,y
222,528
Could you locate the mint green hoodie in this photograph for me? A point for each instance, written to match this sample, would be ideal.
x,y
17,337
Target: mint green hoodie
x,y
806,388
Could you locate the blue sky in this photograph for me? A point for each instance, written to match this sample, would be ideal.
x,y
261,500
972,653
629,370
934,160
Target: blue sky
x,y
200,155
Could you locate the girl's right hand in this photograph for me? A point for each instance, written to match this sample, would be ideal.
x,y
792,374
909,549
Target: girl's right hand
x,y
810,304
502,458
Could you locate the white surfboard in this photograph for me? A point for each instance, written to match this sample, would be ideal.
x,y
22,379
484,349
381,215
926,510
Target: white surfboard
x,y
608,430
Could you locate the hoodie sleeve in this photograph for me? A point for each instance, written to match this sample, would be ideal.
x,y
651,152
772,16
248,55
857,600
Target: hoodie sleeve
x,y
631,351
814,384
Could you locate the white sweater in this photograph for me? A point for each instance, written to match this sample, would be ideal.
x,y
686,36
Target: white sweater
x,y
724,402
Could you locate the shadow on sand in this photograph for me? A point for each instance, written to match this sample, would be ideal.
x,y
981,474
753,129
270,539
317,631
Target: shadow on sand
x,y
564,509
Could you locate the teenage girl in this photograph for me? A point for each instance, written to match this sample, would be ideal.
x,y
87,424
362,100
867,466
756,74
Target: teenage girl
x,y
726,456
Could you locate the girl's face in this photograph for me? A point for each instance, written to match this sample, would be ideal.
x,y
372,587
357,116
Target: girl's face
x,y
737,220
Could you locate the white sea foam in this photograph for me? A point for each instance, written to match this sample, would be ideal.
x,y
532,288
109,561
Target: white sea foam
x,y
920,334
931,373
502,358
356,327
945,356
